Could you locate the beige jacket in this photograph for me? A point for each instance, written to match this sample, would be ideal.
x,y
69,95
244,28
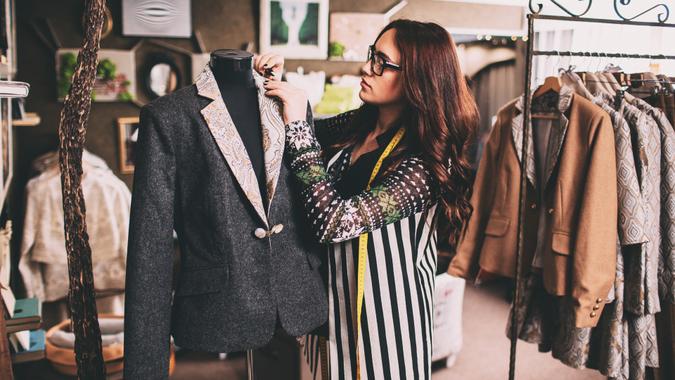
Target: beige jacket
x,y
578,244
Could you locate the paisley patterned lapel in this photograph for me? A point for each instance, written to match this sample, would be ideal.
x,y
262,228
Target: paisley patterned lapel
x,y
559,131
273,136
518,131
229,142
556,141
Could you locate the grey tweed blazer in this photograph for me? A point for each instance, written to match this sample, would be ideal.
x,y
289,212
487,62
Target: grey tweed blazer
x,y
241,265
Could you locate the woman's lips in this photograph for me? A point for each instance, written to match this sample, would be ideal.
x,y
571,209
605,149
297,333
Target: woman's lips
x,y
364,84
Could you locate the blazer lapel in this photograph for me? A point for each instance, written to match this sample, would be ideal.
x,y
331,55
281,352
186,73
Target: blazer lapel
x,y
557,137
228,141
517,132
273,136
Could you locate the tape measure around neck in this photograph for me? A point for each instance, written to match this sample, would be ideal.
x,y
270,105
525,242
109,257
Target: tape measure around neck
x,y
363,247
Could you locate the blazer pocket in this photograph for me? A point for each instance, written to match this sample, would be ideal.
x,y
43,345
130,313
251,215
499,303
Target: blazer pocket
x,y
201,281
560,243
497,226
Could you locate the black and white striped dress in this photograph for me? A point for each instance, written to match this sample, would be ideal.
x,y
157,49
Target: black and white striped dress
x,y
398,213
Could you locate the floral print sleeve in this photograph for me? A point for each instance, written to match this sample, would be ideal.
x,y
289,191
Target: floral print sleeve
x,y
401,193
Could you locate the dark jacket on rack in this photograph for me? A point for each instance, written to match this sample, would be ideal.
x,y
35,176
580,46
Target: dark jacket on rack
x,y
578,254
242,266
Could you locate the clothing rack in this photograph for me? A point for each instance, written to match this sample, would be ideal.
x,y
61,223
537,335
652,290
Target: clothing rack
x,y
536,8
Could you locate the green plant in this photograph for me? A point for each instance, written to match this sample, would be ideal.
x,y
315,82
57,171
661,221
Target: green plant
x,y
336,49
67,69
106,70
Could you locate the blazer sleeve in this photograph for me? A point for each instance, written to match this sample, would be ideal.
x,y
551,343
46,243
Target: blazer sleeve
x,y
405,191
150,253
594,258
465,263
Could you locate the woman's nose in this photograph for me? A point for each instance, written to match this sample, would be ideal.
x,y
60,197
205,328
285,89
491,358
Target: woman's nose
x,y
365,69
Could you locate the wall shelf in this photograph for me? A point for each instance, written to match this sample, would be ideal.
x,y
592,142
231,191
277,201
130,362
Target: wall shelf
x,y
31,120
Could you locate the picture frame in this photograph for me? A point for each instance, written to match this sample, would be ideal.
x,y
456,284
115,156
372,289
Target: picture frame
x,y
127,128
351,34
157,18
115,78
296,29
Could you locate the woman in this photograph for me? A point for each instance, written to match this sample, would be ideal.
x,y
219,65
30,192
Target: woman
x,y
416,121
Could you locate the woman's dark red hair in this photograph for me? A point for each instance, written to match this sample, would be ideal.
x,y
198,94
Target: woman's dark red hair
x,y
441,116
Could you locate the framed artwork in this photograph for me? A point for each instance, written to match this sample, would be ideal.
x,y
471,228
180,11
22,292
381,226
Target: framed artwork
x,y
294,28
115,75
128,135
352,33
157,18
6,154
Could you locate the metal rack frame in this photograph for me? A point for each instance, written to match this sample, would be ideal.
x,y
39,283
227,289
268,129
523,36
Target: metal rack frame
x,y
536,8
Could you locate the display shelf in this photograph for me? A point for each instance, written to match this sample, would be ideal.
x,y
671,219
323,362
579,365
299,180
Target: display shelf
x,y
32,119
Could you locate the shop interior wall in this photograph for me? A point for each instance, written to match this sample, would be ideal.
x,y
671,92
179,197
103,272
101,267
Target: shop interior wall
x,y
221,23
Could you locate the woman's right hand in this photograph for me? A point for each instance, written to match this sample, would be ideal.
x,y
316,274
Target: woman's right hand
x,y
269,61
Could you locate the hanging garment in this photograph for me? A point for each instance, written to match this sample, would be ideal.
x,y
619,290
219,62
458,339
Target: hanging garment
x,y
43,262
622,345
641,268
399,214
666,272
579,245
243,266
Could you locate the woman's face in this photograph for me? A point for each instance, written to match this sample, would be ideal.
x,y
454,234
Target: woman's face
x,y
388,88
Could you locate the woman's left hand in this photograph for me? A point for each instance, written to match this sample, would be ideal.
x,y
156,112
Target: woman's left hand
x,y
293,99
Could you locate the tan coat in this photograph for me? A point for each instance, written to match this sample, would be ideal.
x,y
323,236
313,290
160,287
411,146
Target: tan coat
x,y
580,203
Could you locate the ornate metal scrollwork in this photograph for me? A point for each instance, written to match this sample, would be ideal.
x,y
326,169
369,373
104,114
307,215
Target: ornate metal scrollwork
x,y
536,7
662,17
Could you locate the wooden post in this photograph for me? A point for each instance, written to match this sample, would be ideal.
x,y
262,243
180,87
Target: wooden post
x,y
74,116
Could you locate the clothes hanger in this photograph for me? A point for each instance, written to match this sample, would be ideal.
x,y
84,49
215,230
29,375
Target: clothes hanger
x,y
545,107
573,81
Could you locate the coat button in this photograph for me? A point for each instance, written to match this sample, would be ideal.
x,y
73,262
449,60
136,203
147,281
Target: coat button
x,y
596,307
260,233
533,206
598,300
593,314
550,211
277,228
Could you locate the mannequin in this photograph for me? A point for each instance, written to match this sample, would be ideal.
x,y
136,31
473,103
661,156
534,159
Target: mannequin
x,y
234,73
249,268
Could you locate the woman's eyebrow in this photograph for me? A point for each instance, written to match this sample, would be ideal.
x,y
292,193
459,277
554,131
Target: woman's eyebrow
x,y
378,52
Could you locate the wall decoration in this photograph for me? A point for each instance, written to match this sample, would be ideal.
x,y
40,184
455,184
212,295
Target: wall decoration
x,y
352,33
115,76
160,76
7,39
128,135
294,28
157,18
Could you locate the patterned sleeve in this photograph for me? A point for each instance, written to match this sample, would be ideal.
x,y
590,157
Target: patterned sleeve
x,y
331,129
403,192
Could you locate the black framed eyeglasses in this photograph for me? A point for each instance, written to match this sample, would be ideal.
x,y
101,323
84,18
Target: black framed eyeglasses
x,y
378,63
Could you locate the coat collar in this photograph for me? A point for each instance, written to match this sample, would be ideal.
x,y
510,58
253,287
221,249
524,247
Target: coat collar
x,y
556,139
231,146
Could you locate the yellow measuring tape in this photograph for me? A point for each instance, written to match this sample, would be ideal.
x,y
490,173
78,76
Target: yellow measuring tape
x,y
363,248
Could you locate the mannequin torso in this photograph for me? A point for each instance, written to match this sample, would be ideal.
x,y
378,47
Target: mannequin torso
x,y
233,71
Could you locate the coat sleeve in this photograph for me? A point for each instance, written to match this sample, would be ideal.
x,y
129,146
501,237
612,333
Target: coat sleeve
x,y
594,257
150,254
405,191
465,263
